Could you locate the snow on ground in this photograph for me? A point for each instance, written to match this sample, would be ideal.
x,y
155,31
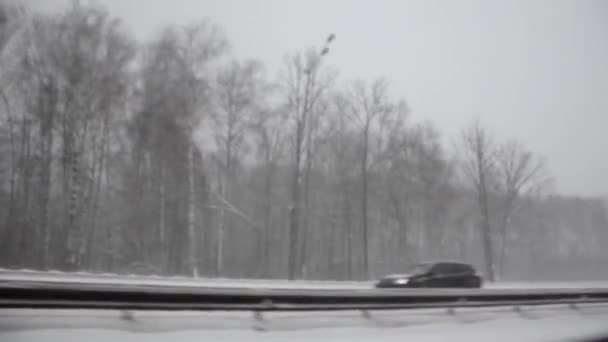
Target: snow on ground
x,y
432,325
546,285
106,278
94,326
131,279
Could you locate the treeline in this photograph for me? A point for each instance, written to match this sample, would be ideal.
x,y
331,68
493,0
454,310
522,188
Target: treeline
x,y
170,157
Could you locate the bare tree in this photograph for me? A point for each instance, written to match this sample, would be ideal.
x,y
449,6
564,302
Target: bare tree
x,y
301,90
338,157
100,169
478,166
201,43
67,88
269,127
318,108
239,88
176,96
12,21
366,106
519,175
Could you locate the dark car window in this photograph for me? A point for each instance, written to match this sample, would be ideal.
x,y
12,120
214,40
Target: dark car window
x,y
442,269
467,269
419,268
452,268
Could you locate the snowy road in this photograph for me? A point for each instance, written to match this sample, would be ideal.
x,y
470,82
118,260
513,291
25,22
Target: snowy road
x,y
546,324
101,278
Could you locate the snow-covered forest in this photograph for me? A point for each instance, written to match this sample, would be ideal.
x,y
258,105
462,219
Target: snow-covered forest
x,y
170,156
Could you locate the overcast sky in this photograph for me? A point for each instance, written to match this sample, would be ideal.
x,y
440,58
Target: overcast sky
x,y
536,71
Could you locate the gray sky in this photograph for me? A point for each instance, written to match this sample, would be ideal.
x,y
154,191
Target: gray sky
x,y
536,71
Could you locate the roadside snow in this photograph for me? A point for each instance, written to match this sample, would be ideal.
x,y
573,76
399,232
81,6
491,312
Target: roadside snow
x,y
564,327
132,279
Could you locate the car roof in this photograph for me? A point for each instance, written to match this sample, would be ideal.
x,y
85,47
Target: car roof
x,y
449,265
449,262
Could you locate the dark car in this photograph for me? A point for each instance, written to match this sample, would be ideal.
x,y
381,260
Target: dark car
x,y
436,274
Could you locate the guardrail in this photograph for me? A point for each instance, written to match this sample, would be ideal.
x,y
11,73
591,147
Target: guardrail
x,y
44,294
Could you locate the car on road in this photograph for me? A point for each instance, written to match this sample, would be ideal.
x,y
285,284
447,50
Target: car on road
x,y
434,275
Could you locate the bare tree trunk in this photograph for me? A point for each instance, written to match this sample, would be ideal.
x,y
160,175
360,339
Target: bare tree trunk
x,y
293,211
9,224
294,216
332,243
503,243
46,151
191,209
224,179
75,232
27,195
98,168
306,234
162,230
267,216
12,183
219,267
349,234
64,238
18,232
364,203
305,229
485,224
403,237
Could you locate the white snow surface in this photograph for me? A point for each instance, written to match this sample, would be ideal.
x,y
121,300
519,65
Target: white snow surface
x,y
561,324
126,279
96,326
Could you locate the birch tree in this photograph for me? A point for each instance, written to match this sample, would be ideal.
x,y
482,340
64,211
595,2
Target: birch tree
x,y
269,128
176,97
239,90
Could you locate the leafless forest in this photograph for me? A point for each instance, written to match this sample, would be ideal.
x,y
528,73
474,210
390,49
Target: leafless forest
x,y
171,157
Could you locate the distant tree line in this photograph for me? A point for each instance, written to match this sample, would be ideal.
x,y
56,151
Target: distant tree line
x,y
171,157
